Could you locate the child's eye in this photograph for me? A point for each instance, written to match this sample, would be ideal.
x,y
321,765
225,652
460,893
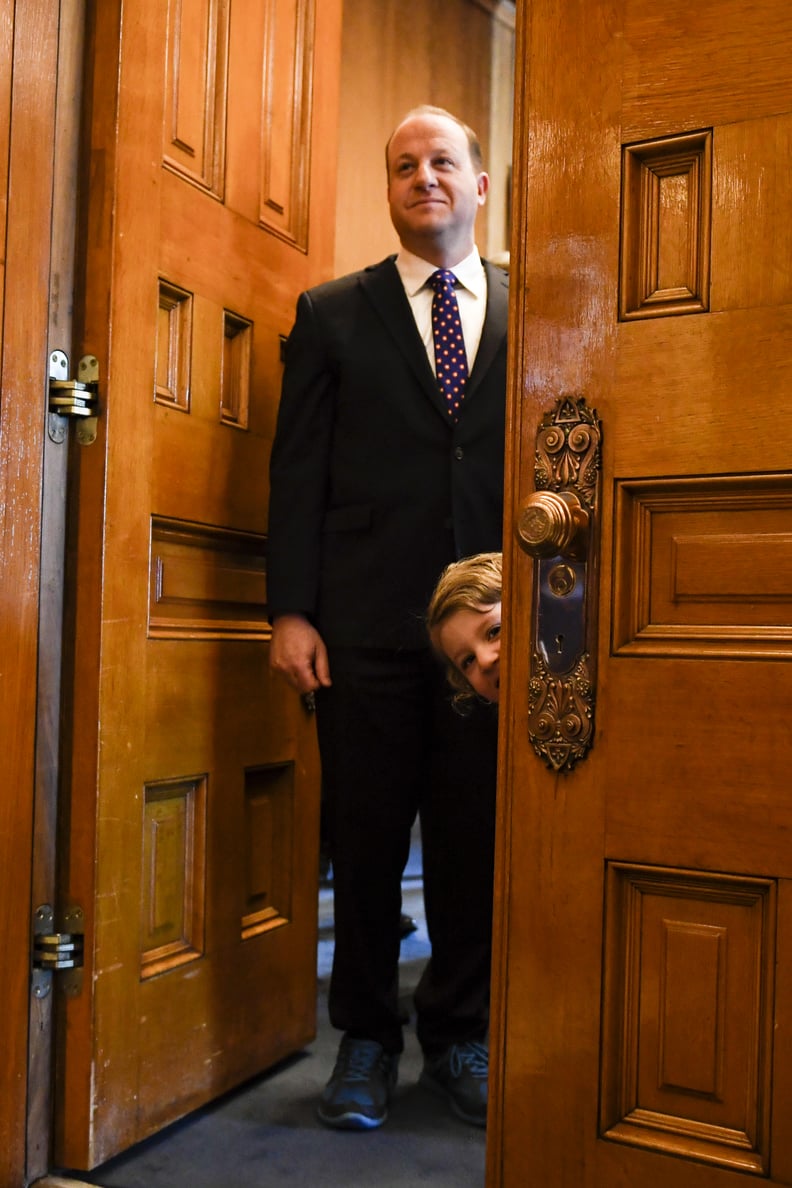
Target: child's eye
x,y
466,662
494,631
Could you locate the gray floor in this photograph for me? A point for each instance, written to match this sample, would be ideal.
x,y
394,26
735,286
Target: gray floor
x,y
267,1132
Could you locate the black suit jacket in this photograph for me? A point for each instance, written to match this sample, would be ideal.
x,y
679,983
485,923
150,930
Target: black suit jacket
x,y
373,492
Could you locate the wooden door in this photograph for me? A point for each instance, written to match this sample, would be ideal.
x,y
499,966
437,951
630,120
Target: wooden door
x,y
644,960
192,823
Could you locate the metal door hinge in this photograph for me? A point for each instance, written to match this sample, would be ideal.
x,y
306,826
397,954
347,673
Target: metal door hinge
x,y
73,399
58,952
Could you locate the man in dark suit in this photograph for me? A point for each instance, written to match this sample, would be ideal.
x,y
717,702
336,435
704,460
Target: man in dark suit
x,y
387,465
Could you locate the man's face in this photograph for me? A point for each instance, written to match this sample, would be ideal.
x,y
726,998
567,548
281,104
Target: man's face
x,y
434,191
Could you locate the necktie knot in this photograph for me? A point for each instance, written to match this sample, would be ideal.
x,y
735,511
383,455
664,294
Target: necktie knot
x,y
449,345
442,281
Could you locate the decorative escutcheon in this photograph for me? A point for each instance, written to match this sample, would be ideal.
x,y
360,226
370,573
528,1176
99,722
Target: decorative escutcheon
x,y
557,526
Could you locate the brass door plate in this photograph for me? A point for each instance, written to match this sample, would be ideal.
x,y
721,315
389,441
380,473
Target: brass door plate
x,y
558,526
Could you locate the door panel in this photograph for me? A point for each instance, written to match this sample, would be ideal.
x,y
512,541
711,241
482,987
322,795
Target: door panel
x,y
192,825
644,960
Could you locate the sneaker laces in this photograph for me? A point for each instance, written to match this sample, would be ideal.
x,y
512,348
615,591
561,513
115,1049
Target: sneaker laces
x,y
470,1055
357,1062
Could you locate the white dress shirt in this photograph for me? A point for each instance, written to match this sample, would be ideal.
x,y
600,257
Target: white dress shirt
x,y
471,295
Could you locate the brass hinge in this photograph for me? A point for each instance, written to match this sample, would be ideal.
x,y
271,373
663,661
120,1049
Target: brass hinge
x,y
73,399
57,952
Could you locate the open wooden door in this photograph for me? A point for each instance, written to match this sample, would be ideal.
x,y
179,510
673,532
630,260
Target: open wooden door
x,y
644,962
192,824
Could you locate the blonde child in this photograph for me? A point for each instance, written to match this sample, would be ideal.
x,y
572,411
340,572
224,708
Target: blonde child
x,y
464,620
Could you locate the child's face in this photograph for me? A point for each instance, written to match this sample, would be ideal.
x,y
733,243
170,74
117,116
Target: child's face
x,y
470,639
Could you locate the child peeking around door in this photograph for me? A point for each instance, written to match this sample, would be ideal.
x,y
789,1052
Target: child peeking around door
x,y
464,622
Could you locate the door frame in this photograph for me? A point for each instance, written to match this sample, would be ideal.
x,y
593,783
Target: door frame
x,y
56,462
29,46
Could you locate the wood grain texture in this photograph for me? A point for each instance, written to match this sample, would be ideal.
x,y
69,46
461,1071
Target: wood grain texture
x,y
397,55
689,765
28,57
173,706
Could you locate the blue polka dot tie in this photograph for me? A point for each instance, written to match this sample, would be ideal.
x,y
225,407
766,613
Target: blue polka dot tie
x,y
449,345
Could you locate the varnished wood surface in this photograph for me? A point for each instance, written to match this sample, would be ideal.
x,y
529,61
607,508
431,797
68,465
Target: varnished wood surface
x,y
198,870
53,531
396,55
688,771
27,102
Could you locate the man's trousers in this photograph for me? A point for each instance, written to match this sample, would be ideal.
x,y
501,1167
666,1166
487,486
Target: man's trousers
x,y
392,746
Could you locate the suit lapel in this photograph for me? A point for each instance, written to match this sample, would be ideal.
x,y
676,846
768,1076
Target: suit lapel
x,y
383,287
494,330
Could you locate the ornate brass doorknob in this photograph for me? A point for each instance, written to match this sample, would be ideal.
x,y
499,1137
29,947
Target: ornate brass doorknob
x,y
551,523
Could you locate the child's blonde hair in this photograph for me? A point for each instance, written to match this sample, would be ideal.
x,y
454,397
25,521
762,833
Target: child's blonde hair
x,y
474,583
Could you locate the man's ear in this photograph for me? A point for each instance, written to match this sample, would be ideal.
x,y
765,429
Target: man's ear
x,y
483,185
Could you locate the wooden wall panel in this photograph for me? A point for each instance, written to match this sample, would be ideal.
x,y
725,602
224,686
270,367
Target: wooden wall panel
x,y
397,54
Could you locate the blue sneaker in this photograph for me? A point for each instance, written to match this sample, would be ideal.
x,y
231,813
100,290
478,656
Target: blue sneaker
x,y
357,1095
460,1075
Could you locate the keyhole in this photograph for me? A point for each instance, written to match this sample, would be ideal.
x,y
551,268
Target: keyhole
x,y
559,642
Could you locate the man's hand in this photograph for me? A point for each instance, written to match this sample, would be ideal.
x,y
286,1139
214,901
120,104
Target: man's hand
x,y
298,653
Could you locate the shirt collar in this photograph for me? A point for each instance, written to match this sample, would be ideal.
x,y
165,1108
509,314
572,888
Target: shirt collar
x,y
415,272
